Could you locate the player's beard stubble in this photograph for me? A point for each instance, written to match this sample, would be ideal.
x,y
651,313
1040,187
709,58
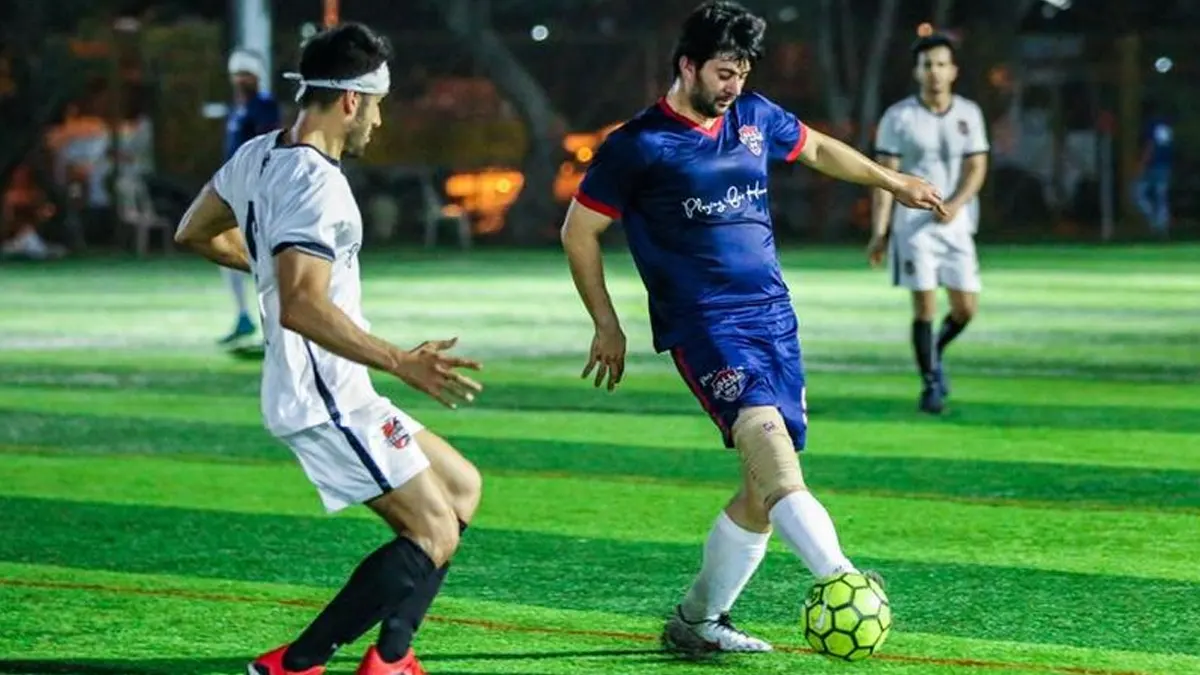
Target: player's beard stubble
x,y
706,102
358,135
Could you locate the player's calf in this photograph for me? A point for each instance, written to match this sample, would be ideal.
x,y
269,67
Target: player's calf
x,y
963,306
769,461
463,484
420,510
748,510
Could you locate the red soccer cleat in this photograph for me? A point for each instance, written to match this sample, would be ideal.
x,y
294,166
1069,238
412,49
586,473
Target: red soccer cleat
x,y
271,663
373,664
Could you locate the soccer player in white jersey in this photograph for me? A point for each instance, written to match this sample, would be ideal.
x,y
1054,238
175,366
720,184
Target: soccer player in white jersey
x,y
941,137
282,209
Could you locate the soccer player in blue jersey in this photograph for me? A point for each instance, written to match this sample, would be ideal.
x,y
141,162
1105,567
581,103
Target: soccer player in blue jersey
x,y
1153,186
688,179
254,112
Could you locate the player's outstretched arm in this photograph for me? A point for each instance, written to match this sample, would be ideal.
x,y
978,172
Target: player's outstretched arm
x,y
209,228
581,240
838,160
305,309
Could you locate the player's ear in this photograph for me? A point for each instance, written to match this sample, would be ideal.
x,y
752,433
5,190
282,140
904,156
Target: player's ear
x,y
350,101
687,66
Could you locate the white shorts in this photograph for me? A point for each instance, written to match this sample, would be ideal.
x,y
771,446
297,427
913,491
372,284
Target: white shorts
x,y
924,258
360,456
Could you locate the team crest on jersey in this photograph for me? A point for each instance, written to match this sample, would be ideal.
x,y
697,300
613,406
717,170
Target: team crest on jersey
x,y
396,434
963,127
752,138
725,384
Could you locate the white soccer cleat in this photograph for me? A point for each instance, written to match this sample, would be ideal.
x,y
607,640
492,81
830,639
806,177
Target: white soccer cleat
x,y
708,636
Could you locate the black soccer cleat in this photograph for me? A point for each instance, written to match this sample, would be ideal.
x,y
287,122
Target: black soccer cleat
x,y
931,400
943,382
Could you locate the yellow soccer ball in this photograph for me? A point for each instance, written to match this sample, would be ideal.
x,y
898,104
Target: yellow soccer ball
x,y
847,617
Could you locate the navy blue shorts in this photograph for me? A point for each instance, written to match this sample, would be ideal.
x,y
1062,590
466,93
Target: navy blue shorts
x,y
746,358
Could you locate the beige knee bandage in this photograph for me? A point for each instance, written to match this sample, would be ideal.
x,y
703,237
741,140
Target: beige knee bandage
x,y
766,451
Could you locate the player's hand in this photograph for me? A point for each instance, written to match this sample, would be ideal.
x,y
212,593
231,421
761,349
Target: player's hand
x,y
917,193
607,356
430,369
948,213
877,249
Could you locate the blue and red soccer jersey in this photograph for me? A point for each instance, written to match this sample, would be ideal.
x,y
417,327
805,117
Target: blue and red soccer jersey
x,y
695,206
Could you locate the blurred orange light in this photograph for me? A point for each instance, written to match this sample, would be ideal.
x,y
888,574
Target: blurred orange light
x,y
925,29
1000,77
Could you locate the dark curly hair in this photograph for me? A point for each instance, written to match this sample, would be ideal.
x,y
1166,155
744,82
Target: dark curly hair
x,y
340,53
922,45
720,28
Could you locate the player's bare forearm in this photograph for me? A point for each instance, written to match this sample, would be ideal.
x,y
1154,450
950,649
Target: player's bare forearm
x,y
319,320
882,201
305,309
227,249
974,173
209,228
581,241
838,160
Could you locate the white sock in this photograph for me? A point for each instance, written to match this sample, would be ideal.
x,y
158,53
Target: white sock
x,y
237,284
805,525
731,555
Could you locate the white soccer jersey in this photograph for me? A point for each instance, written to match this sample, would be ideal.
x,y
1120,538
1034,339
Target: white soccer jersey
x,y
933,146
300,199
235,179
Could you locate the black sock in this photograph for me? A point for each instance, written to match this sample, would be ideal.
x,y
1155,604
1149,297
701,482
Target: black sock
x,y
922,337
398,628
380,583
950,330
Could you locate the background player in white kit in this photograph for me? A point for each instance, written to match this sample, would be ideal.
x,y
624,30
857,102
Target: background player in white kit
x,y
941,137
282,209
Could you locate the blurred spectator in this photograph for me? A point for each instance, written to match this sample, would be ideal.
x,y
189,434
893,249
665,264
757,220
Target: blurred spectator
x,y
1154,182
254,112
25,208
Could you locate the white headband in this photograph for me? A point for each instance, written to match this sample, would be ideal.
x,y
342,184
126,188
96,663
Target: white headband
x,y
378,82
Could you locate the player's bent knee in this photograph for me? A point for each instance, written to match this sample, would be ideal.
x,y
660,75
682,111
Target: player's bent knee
x,y
924,305
421,510
468,493
464,489
460,478
436,532
963,309
767,453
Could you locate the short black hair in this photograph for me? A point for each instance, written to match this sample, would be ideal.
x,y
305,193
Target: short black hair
x,y
720,28
343,52
933,41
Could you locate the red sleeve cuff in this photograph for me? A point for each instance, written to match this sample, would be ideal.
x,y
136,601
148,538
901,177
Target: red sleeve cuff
x,y
795,153
598,206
